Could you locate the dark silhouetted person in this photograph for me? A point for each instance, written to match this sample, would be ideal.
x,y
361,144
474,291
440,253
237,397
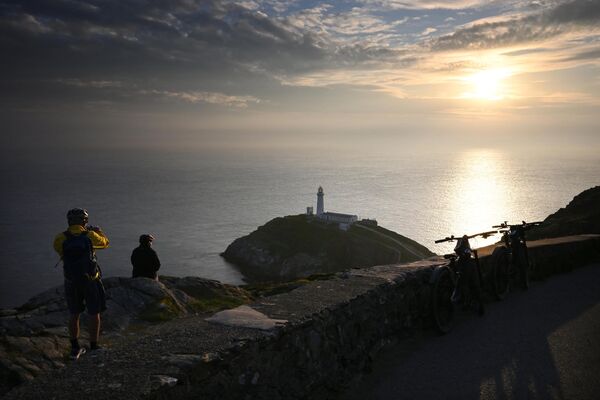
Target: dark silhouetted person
x,y
144,259
83,285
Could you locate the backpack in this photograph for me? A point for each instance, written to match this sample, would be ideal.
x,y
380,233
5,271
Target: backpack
x,y
79,260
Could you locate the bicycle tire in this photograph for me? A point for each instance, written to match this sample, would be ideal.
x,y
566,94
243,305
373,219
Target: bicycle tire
x,y
442,307
500,273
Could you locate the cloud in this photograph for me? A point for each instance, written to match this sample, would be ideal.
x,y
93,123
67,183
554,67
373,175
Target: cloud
x,y
191,54
428,31
194,97
593,54
522,52
91,84
356,21
204,41
424,4
562,18
279,6
205,97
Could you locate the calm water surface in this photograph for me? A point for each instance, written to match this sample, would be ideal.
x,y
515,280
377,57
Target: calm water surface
x,y
195,204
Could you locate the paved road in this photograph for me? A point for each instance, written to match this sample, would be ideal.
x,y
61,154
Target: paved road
x,y
540,344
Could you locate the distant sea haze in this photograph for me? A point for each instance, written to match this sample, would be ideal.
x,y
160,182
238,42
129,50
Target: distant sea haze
x,y
195,204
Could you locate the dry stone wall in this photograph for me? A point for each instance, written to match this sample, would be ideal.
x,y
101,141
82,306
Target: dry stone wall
x,y
315,356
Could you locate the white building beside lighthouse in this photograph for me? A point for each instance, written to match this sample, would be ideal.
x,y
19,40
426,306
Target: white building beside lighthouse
x,y
344,220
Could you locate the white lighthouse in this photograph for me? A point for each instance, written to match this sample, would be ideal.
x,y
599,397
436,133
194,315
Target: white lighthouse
x,y
320,206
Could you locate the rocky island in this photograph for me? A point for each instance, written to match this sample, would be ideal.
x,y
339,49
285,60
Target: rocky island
x,y
300,245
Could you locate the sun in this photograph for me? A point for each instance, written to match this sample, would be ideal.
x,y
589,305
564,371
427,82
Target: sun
x,y
487,84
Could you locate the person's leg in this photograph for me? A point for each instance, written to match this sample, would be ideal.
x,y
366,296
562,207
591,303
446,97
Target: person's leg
x,y
96,303
94,330
76,350
74,298
74,328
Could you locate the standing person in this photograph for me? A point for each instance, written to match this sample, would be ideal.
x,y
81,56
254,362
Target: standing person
x,y
83,284
144,259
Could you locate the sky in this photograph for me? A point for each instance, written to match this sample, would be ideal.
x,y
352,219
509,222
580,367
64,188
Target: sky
x,y
261,73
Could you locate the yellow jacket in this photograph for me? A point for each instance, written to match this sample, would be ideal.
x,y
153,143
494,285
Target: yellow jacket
x,y
99,240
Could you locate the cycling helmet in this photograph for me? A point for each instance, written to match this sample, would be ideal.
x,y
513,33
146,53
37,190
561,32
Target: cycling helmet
x,y
77,216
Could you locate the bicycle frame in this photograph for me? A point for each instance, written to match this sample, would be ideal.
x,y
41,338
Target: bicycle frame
x,y
454,274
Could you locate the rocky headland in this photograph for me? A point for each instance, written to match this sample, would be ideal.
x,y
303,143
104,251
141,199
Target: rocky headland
x,y
297,246
580,216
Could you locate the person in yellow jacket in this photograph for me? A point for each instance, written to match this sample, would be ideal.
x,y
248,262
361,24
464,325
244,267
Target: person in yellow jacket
x,y
83,285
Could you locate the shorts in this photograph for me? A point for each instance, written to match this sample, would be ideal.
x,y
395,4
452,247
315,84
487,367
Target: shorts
x,y
86,294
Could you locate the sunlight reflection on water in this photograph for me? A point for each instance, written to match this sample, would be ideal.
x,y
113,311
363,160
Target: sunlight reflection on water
x,y
477,193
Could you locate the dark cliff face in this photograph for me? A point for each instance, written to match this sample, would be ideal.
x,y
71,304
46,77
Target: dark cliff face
x,y
297,246
580,216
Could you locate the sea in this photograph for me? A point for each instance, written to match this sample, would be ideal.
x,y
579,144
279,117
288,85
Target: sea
x,y
196,202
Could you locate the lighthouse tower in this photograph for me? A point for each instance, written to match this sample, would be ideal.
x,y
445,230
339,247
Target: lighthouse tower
x,y
320,208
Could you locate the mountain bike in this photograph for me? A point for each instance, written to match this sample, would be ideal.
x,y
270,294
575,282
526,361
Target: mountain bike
x,y
511,260
457,283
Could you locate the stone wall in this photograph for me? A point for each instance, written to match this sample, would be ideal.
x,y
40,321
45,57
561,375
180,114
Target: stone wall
x,y
314,357
303,344
320,353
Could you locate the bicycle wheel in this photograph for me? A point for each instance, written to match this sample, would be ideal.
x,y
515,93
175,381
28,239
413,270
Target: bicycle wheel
x,y
443,309
500,272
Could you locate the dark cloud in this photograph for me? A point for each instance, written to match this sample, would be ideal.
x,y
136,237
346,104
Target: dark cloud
x,y
585,55
541,25
523,52
159,45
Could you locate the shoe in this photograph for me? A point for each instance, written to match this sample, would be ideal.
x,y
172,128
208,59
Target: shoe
x,y
77,352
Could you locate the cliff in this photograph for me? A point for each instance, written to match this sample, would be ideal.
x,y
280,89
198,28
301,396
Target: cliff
x,y
580,216
298,245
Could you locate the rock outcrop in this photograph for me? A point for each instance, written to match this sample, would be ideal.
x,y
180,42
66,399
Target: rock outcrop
x,y
298,246
34,337
580,216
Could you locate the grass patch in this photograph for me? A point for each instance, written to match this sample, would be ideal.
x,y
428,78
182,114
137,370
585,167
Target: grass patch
x,y
266,289
163,310
216,304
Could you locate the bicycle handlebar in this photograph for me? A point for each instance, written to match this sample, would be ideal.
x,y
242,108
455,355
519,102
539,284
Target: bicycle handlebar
x,y
482,234
446,239
523,224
